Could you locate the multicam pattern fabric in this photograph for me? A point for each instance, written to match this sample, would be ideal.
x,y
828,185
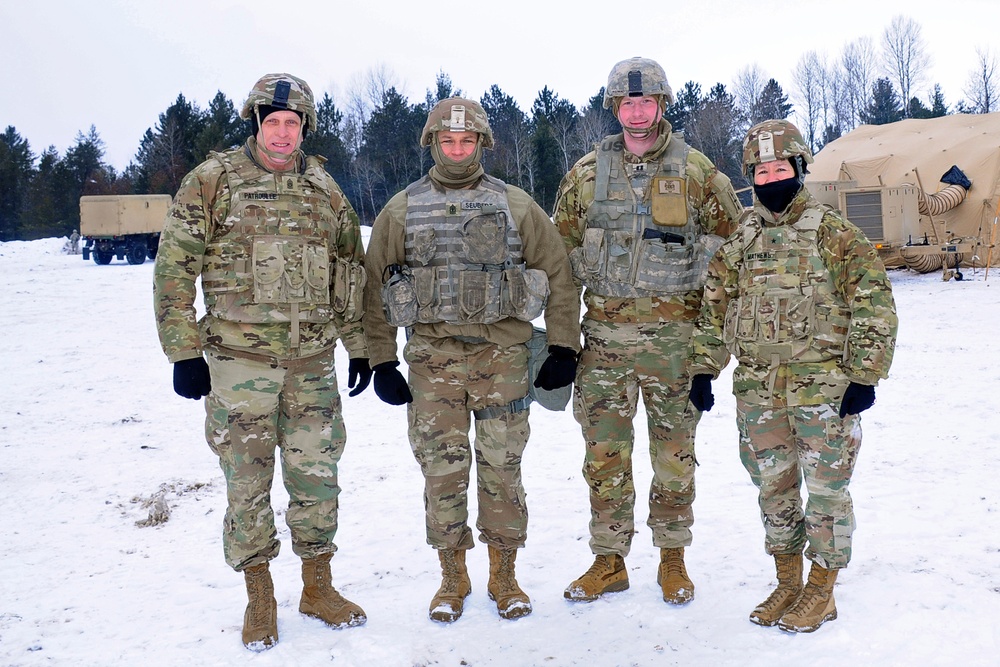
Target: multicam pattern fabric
x,y
620,362
450,381
282,91
773,140
256,408
639,346
786,449
711,200
186,251
856,274
456,114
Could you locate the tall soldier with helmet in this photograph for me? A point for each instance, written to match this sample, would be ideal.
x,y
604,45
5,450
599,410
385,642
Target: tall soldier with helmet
x,y
800,297
278,250
640,215
465,262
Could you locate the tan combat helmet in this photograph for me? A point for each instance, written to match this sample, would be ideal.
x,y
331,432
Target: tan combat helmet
x,y
282,91
457,114
637,77
774,140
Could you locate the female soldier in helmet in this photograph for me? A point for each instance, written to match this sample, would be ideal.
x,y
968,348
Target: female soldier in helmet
x,y
801,298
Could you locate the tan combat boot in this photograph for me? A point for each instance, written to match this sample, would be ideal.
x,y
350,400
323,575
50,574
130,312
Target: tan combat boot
x,y
606,575
502,587
260,621
673,578
449,601
789,571
815,605
321,600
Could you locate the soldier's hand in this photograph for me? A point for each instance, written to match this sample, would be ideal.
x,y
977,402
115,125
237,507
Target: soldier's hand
x,y
358,371
857,399
558,370
701,395
390,385
191,378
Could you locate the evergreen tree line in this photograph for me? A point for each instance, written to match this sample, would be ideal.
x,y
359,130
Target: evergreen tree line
x,y
371,142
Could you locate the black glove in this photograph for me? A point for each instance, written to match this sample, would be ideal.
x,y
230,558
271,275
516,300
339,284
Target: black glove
x,y
191,378
360,372
390,385
558,370
857,399
701,396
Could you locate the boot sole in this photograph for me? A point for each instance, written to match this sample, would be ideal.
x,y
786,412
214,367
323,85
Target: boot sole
x,y
788,627
612,588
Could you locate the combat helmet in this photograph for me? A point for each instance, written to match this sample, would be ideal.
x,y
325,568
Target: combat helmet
x,y
457,114
637,77
775,140
282,91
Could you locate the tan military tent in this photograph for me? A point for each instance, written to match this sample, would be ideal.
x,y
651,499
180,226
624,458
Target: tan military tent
x,y
917,153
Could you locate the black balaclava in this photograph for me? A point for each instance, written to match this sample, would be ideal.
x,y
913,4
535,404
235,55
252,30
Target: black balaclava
x,y
777,195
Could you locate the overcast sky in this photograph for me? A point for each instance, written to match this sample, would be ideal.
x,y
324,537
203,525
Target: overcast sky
x,y
118,64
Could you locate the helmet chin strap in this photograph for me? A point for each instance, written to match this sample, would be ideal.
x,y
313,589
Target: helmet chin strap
x,y
279,158
644,132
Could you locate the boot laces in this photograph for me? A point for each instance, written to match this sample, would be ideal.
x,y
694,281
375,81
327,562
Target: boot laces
x,y
505,572
449,583
674,563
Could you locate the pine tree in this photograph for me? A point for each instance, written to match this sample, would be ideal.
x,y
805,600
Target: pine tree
x,y
883,107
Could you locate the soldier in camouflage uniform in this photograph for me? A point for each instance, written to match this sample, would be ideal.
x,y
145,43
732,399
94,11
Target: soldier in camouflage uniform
x,y
465,262
640,215
278,249
802,300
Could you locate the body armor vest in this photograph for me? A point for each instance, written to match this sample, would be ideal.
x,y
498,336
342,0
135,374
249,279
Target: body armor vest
x,y
788,309
464,261
642,237
272,259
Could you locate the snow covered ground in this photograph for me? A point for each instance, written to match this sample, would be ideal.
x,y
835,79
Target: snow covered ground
x,y
92,438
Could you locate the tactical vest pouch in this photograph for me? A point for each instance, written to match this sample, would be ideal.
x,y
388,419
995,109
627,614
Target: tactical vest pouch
x,y
620,246
591,254
289,269
665,267
475,302
669,201
526,291
425,290
762,325
399,299
349,280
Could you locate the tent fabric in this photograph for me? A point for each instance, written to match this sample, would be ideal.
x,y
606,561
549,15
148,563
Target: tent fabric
x,y
920,152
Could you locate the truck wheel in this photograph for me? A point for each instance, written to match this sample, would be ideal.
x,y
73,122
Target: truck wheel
x,y
136,253
103,256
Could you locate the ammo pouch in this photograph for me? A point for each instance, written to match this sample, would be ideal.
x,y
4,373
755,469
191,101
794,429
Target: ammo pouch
x,y
767,325
290,269
538,352
399,296
347,298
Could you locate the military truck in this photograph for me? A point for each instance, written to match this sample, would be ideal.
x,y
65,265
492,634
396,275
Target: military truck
x,y
123,226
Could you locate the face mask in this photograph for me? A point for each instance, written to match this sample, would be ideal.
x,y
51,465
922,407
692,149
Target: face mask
x,y
777,195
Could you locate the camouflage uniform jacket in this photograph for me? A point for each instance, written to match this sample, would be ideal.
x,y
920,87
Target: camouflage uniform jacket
x,y
193,222
711,200
541,249
857,282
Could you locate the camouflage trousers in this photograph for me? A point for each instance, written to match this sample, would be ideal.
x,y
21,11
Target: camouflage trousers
x,y
619,362
449,380
294,407
781,446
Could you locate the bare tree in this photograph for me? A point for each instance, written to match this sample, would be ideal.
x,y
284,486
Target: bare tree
x,y
365,92
858,65
983,87
748,88
808,77
904,55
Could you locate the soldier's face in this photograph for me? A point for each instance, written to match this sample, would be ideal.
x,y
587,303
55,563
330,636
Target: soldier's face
x,y
280,132
639,112
456,146
769,172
